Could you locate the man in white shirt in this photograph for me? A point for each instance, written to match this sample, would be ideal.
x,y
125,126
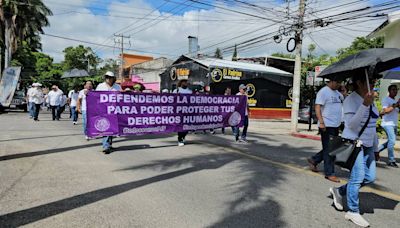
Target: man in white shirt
x,y
31,105
37,100
329,111
72,101
183,89
81,105
108,85
390,119
242,92
54,98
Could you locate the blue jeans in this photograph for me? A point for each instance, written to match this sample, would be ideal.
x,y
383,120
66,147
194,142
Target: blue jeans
x,y
74,114
84,122
55,112
391,132
323,155
245,126
363,173
31,108
107,142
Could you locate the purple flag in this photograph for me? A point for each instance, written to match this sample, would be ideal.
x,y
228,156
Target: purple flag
x,y
127,113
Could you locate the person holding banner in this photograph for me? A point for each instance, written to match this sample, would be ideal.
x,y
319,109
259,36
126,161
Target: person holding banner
x,y
81,105
183,89
242,92
108,85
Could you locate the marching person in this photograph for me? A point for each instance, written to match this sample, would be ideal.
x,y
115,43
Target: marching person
x,y
108,85
63,103
31,104
328,109
72,102
182,88
81,105
358,109
37,100
390,119
242,92
54,98
228,92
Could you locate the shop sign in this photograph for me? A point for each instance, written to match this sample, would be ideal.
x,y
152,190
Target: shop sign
x,y
218,74
180,73
251,90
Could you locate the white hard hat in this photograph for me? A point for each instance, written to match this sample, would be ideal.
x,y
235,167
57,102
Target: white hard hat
x,y
109,73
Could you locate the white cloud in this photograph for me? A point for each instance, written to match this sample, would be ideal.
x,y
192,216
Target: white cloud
x,y
170,35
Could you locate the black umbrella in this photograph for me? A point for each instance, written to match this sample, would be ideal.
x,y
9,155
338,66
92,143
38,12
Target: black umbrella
x,y
371,62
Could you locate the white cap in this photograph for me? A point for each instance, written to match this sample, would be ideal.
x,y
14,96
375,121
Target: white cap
x,y
109,73
38,84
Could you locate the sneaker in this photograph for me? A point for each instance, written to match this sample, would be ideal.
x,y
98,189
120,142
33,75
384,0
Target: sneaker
x,y
181,144
74,123
356,218
31,117
393,164
243,140
87,138
337,198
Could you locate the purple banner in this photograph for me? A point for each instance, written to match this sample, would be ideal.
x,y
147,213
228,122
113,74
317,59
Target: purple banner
x,y
127,113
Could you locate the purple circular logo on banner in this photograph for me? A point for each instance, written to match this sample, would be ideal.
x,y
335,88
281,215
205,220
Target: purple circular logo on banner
x,y
102,124
234,119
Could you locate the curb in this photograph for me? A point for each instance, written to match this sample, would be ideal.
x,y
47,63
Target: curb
x,y
318,138
306,136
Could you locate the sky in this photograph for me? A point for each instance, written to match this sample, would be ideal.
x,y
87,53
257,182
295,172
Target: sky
x,y
161,27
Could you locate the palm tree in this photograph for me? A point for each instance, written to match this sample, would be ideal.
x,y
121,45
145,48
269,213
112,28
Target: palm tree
x,y
21,20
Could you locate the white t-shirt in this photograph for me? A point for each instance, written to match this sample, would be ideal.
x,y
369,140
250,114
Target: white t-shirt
x,y
105,87
246,113
392,118
82,96
63,100
183,91
29,93
74,97
355,116
54,98
37,96
331,106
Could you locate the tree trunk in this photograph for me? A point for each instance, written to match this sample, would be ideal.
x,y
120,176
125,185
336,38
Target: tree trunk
x,y
8,44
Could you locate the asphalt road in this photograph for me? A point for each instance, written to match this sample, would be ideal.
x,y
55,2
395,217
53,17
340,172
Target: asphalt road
x,y
52,177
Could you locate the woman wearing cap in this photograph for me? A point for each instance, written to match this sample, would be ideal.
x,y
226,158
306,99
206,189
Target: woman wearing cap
x,y
242,92
108,85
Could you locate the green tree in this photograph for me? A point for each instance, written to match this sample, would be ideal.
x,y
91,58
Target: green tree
x,y
20,21
218,54
359,44
235,54
80,57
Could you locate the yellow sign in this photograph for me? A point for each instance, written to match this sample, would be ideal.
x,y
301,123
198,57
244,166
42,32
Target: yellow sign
x,y
288,103
252,102
218,74
182,72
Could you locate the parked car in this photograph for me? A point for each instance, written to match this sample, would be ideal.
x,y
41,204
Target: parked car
x,y
304,115
19,101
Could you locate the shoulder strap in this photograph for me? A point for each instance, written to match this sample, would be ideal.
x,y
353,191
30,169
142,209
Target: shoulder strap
x,y
366,122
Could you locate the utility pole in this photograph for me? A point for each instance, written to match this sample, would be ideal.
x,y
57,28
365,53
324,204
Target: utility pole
x,y
297,66
120,40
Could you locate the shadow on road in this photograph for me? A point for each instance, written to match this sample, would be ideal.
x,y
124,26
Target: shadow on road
x,y
39,137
